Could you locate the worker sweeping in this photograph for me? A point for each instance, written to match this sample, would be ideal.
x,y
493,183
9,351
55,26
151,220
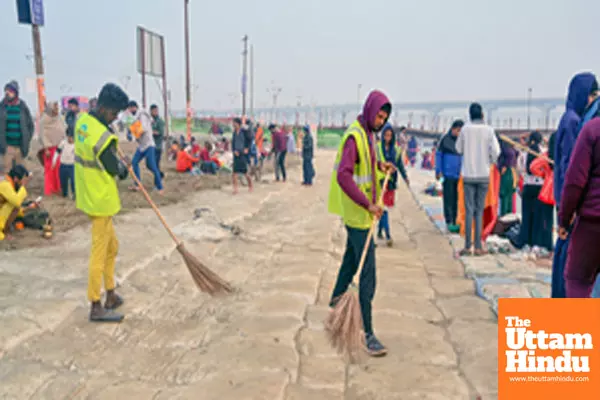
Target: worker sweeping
x,y
353,196
96,166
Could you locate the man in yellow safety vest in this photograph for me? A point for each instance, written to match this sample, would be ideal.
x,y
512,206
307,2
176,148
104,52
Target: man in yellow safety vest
x,y
97,165
353,195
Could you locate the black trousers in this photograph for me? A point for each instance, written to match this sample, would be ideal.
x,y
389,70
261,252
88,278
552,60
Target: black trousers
x,y
280,167
366,289
450,191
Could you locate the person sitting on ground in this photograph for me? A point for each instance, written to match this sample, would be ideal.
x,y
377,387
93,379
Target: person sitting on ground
x,y
185,160
196,149
207,165
12,195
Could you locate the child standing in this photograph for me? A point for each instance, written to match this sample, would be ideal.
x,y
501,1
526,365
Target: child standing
x,y
66,149
388,151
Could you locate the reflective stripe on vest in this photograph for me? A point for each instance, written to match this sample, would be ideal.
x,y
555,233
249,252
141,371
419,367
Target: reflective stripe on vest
x,y
101,142
358,179
87,163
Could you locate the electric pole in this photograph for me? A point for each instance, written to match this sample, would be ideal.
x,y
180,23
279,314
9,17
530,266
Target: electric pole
x,y
188,94
244,74
252,80
39,67
274,91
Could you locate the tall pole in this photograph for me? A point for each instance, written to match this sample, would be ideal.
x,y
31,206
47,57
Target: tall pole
x,y
143,46
529,92
164,86
188,93
39,68
252,81
274,91
244,74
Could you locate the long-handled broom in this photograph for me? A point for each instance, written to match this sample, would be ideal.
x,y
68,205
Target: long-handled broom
x,y
205,279
344,325
524,148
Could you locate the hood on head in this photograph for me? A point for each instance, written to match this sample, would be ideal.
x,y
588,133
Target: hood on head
x,y
579,90
375,101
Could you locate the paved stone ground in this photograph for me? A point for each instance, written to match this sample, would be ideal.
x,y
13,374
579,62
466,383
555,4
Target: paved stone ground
x,y
496,276
266,341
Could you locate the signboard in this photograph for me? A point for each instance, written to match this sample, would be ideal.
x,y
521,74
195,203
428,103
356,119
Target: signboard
x,y
149,53
31,12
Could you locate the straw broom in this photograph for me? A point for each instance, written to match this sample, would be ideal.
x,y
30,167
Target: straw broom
x,y
206,280
344,325
524,148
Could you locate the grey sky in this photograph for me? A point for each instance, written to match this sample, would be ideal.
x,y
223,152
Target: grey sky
x,y
416,50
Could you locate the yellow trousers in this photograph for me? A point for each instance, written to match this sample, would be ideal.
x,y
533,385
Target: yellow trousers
x,y
105,247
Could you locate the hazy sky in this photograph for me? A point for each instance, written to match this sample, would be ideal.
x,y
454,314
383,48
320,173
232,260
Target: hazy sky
x,y
415,50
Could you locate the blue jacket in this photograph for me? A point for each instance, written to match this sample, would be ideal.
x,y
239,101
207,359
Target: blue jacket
x,y
447,160
569,127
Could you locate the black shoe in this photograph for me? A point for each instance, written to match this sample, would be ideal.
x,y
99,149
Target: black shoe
x,y
374,346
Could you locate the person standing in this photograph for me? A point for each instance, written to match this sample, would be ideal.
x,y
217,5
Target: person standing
x,y
308,169
97,195
72,114
387,151
279,150
583,91
480,150
241,150
158,134
537,222
508,177
16,127
353,195
413,150
447,165
139,124
52,133
66,149
579,213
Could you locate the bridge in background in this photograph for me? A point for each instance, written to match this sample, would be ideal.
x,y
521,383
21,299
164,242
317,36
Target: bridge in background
x,y
430,113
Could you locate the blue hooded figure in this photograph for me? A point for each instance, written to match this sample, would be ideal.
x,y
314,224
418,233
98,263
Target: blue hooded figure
x,y
582,92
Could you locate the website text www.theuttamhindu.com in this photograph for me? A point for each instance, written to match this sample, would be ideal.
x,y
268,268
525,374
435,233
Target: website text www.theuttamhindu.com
x,y
557,379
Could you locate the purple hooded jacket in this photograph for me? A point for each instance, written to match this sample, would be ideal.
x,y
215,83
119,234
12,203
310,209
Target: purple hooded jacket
x,y
581,192
568,129
374,103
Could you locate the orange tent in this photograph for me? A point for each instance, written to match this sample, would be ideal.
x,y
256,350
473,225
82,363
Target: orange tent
x,y
490,213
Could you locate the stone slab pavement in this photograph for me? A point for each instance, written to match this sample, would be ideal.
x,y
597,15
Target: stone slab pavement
x,y
265,341
496,276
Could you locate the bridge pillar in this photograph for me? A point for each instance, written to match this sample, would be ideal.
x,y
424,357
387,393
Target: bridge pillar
x,y
547,110
410,119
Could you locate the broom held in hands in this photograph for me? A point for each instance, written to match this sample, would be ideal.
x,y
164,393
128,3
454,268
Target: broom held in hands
x,y
524,148
363,257
148,199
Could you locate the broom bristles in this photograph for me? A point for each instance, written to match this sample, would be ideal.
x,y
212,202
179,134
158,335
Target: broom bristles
x,y
206,280
344,326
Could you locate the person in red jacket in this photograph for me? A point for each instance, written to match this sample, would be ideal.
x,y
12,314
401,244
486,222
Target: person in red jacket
x,y
185,161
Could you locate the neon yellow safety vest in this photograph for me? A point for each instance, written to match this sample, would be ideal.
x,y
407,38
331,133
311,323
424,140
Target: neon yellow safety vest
x,y
354,215
96,190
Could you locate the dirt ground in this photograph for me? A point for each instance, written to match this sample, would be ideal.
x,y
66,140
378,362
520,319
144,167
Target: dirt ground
x,y
65,216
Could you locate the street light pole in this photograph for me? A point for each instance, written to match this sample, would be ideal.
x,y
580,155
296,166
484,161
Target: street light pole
x,y
39,67
252,81
244,74
529,93
188,94
274,91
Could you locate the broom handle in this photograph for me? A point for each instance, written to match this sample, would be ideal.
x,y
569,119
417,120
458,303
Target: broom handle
x,y
525,148
363,257
148,199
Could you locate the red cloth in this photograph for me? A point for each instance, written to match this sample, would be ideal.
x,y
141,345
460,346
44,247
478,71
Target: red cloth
x,y
204,154
196,150
51,175
185,161
389,198
540,167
